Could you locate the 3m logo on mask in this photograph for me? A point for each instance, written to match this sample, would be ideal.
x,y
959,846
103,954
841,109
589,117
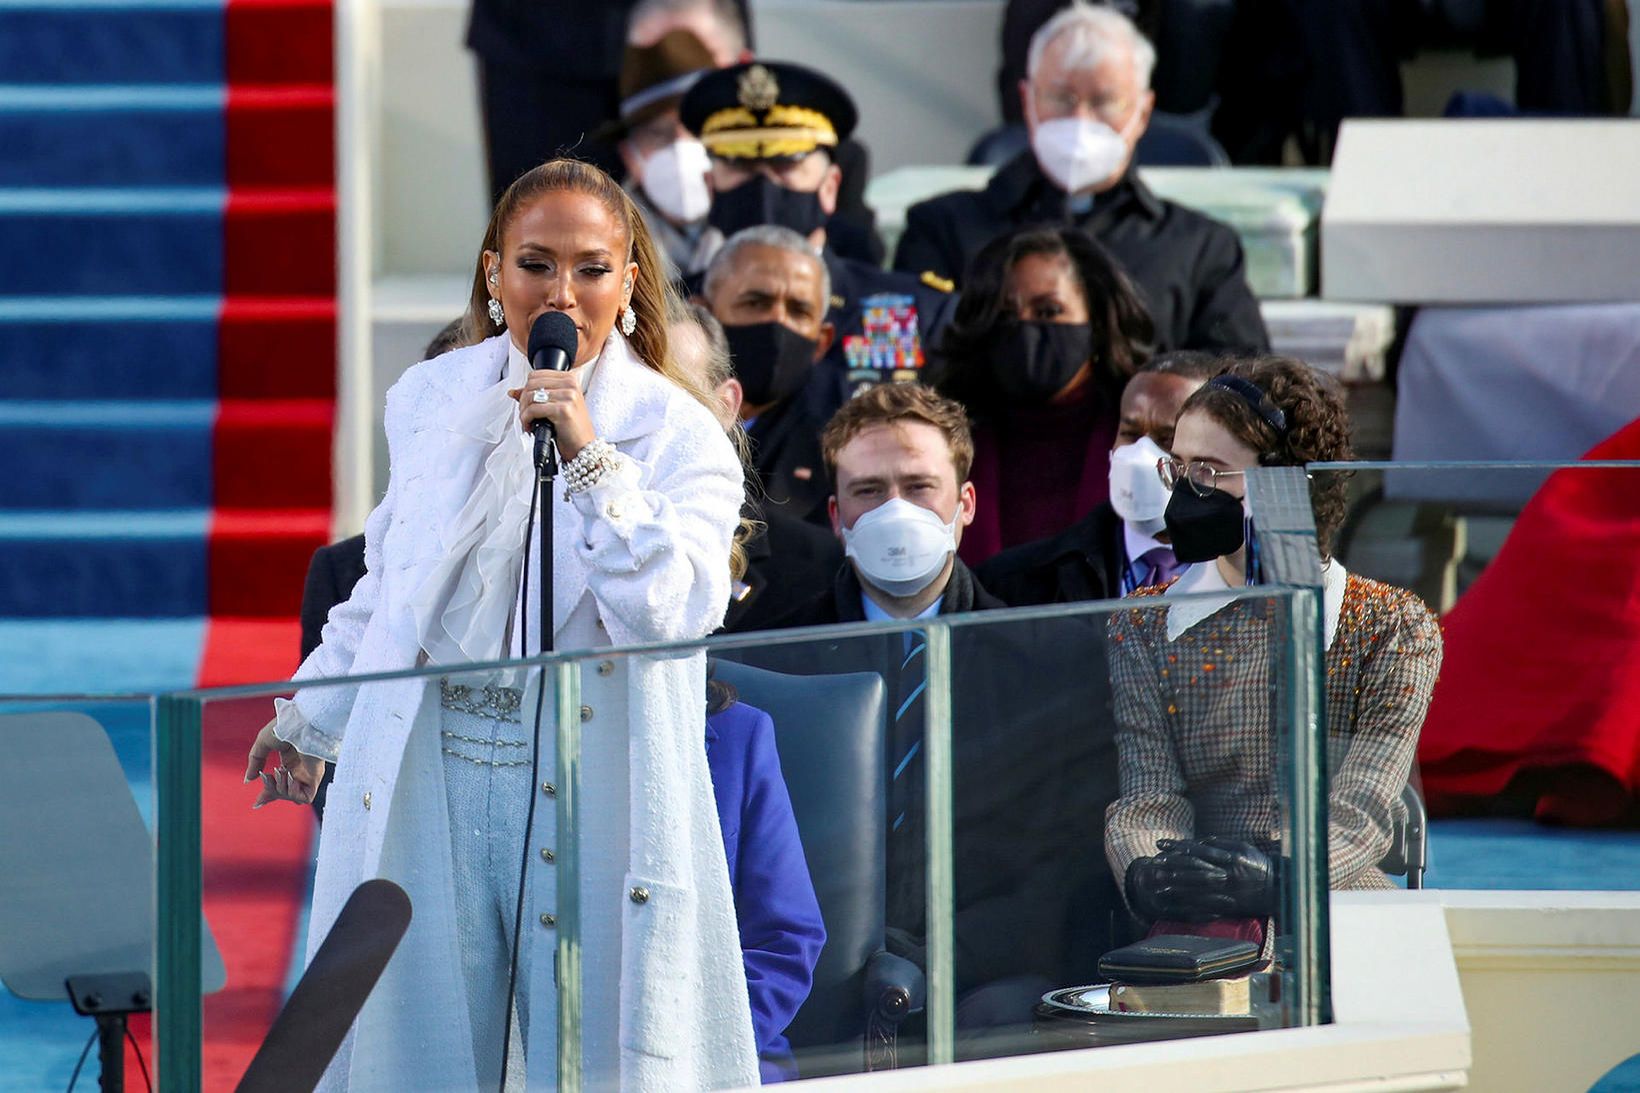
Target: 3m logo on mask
x,y
899,547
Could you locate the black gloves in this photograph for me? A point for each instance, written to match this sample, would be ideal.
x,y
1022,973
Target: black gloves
x,y
1149,887
1201,879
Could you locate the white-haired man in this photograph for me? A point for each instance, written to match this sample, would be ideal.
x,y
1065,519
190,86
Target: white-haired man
x,y
1087,101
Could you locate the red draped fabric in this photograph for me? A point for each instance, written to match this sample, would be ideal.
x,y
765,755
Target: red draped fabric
x,y
1538,704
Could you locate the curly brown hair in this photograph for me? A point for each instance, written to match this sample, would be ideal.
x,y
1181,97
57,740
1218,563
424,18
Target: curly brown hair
x,y
888,403
1318,428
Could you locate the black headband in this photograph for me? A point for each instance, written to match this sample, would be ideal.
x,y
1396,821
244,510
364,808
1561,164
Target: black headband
x,y
1257,400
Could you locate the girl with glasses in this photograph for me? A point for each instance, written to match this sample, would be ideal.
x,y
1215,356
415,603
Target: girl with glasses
x,y
1195,833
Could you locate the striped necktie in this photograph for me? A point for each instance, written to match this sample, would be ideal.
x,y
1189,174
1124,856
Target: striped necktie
x,y
905,798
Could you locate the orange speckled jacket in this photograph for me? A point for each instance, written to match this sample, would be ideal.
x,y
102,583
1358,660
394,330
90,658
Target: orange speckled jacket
x,y
1195,718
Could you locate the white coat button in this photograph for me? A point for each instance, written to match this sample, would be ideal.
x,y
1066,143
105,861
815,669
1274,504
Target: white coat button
x,y
367,801
639,895
606,667
613,510
586,713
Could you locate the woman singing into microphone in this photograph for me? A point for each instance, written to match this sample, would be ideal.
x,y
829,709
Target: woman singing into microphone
x,y
434,779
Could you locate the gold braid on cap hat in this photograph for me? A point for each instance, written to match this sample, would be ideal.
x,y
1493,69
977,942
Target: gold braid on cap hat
x,y
735,133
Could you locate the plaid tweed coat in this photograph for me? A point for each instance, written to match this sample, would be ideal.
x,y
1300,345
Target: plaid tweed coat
x,y
1194,726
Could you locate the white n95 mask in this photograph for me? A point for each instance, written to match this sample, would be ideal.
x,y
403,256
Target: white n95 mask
x,y
1078,153
1136,490
899,547
674,178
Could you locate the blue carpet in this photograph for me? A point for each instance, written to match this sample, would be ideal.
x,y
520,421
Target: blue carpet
x,y
135,136
93,656
103,564
143,455
1504,854
124,242
135,347
80,42
113,154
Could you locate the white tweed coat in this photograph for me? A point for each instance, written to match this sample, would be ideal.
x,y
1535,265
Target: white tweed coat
x,y
649,554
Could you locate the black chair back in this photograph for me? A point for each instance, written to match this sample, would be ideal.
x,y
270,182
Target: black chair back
x,y
997,146
1172,140
830,732
1408,854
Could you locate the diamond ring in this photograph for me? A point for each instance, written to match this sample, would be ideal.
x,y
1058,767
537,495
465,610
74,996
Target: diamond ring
x,y
540,395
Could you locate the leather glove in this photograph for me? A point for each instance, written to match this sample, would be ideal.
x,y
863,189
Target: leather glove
x,y
1146,885
1218,877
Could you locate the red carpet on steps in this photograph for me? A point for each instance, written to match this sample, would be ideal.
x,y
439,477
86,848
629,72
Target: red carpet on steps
x,y
277,347
272,473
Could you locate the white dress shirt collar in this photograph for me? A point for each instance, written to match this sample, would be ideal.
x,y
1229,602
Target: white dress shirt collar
x,y
1208,594
1137,542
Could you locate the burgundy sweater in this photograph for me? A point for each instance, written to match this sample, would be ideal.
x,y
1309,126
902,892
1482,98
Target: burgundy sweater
x,y
1038,470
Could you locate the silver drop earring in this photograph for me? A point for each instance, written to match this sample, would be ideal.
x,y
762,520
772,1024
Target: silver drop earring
x,y
497,316
629,321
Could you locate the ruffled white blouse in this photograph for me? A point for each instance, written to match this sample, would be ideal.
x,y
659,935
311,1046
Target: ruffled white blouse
x,y
467,608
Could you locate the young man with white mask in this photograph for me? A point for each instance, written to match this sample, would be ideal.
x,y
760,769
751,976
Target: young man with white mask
x,y
899,460
1087,101
1031,777
1122,545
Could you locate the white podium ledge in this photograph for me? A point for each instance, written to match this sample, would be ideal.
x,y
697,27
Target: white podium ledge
x,y
1400,1025
1483,211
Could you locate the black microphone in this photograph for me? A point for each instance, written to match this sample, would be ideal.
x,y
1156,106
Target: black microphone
x,y
309,1030
553,341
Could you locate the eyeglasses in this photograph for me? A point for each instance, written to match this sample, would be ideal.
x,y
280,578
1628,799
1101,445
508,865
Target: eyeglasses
x,y
1062,102
1203,477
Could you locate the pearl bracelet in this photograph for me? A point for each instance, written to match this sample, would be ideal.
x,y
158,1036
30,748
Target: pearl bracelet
x,y
589,466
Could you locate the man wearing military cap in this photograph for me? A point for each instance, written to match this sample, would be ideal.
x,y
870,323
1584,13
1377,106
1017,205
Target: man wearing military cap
x,y
770,128
666,166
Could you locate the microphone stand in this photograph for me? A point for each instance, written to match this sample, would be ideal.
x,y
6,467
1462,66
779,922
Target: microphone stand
x,y
546,473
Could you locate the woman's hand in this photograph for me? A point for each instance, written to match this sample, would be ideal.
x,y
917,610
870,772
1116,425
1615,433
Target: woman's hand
x,y
565,408
295,779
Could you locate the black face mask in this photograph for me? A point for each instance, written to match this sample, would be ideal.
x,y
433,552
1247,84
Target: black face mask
x,y
772,360
1204,528
1032,362
761,201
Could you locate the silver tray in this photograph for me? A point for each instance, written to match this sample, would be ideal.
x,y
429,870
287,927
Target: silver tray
x,y
1091,1006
